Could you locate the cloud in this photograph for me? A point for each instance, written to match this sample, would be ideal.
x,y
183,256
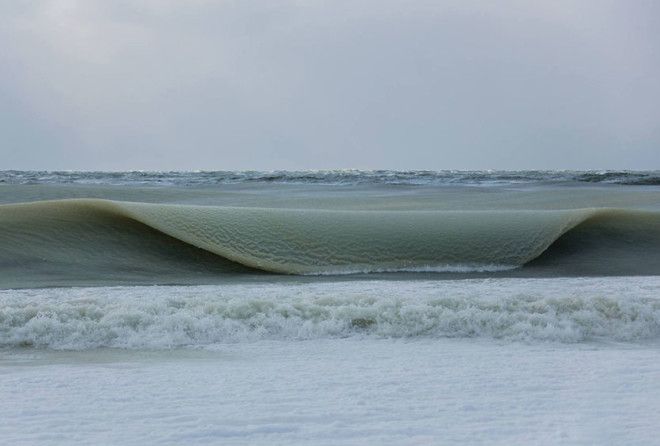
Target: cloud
x,y
227,84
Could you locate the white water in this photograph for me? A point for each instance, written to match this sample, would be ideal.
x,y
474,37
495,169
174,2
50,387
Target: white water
x,y
556,310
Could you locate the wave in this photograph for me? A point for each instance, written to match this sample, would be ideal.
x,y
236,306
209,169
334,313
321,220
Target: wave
x,y
113,240
553,310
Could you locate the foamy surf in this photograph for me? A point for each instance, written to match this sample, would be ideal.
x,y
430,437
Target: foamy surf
x,y
552,310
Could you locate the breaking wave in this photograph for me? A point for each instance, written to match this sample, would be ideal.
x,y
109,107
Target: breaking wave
x,y
553,310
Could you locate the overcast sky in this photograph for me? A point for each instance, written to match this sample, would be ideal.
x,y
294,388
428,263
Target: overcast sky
x,y
195,84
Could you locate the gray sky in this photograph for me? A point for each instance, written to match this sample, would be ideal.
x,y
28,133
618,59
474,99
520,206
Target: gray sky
x,y
195,84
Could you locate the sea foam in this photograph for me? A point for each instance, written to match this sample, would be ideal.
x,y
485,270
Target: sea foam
x,y
554,310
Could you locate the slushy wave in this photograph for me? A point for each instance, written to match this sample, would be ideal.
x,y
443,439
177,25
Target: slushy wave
x,y
116,237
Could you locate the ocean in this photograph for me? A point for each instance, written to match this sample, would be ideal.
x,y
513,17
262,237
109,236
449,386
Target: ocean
x,y
330,307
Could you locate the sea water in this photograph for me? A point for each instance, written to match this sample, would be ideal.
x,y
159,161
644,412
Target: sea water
x,y
329,307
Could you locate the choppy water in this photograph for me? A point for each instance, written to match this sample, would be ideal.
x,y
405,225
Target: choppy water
x,y
331,177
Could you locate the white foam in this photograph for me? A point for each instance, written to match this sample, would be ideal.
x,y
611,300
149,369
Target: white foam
x,y
444,268
555,310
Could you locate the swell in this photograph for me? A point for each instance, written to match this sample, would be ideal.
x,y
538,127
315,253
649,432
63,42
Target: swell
x,y
105,242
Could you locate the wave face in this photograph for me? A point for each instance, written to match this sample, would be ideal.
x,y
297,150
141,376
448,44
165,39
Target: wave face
x,y
123,242
553,310
332,177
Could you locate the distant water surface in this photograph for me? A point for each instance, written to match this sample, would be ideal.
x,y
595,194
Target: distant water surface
x,y
330,177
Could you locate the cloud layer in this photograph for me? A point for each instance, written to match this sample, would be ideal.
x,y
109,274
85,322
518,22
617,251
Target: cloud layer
x,y
313,84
